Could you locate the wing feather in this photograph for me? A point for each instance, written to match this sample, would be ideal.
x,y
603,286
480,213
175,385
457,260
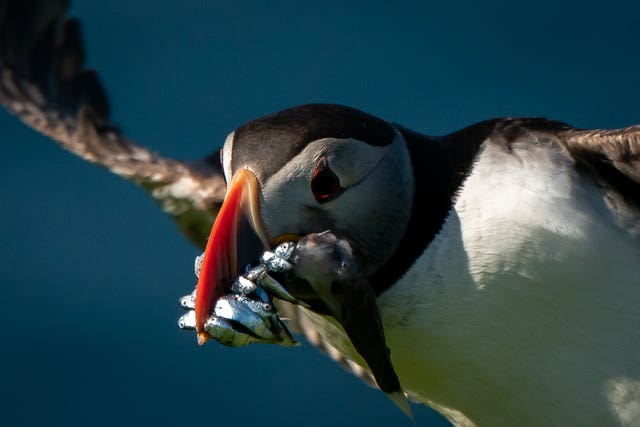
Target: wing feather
x,y
43,82
619,147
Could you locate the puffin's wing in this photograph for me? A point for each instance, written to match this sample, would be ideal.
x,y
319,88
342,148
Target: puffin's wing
x,y
612,157
617,150
299,321
44,83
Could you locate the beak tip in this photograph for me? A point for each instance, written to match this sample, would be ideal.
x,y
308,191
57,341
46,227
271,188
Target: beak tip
x,y
203,337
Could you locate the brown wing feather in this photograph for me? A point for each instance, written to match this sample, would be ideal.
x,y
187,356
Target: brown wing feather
x,y
620,147
43,81
611,157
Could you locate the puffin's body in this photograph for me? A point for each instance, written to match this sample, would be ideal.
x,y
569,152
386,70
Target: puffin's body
x,y
527,295
526,299
505,258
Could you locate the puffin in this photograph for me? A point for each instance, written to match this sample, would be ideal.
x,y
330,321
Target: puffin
x,y
487,273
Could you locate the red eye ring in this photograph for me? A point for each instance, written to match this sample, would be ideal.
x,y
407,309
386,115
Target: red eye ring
x,y
325,184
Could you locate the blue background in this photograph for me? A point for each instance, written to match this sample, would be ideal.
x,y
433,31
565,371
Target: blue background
x,y
91,269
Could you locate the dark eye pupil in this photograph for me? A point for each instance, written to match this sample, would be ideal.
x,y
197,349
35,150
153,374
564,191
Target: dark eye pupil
x,y
325,184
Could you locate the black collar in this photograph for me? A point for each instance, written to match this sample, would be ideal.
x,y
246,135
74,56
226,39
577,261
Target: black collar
x,y
440,165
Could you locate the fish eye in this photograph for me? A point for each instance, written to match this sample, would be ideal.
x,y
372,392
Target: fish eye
x,y
325,184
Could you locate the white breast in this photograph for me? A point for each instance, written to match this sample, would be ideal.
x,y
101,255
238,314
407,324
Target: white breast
x,y
525,309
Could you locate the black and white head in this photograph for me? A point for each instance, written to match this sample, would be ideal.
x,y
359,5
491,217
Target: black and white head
x,y
309,169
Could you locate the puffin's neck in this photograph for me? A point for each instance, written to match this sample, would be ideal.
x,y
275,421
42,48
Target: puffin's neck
x,y
440,165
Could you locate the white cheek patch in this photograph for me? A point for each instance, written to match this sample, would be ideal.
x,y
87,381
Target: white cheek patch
x,y
284,194
227,150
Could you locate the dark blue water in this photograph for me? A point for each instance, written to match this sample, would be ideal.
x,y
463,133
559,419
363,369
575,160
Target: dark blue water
x,y
91,269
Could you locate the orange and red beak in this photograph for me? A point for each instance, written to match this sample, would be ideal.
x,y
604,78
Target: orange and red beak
x,y
219,267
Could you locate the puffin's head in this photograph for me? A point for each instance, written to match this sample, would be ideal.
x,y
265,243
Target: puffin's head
x,y
306,170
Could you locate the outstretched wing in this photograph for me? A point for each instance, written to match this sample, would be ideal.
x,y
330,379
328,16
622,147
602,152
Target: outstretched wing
x,y
43,81
619,148
613,157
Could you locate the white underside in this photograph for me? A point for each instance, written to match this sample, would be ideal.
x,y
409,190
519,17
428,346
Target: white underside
x,y
525,309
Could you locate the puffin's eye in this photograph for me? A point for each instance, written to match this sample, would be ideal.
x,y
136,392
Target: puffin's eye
x,y
325,184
